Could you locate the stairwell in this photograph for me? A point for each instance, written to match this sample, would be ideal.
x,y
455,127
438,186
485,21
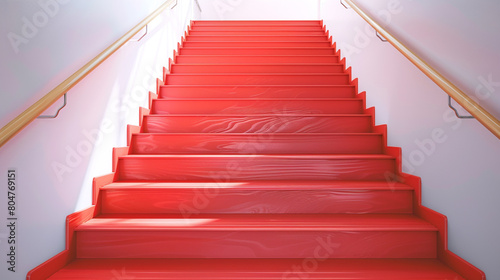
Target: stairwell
x,y
257,160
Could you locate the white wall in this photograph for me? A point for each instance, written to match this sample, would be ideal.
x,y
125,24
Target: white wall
x,y
259,9
57,159
460,169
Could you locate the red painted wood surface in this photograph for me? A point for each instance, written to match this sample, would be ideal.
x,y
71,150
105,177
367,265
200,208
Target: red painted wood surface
x,y
256,236
266,51
245,23
256,44
257,68
259,79
258,106
258,160
254,27
252,91
254,168
256,143
211,269
343,197
246,58
261,123
271,38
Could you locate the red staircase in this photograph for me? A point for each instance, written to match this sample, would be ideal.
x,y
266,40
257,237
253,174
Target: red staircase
x,y
257,160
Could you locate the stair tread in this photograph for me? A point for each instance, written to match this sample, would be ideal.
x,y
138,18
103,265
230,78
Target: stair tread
x,y
253,22
246,91
277,156
259,64
310,44
261,115
264,86
316,31
223,42
265,99
259,222
250,28
258,74
266,185
256,269
311,87
254,55
264,134
251,35
245,48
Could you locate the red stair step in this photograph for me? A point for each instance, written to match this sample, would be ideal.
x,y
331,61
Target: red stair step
x,y
293,23
232,168
257,51
255,143
261,32
257,79
258,38
252,91
257,68
273,123
244,28
258,269
258,106
256,236
245,59
257,197
256,44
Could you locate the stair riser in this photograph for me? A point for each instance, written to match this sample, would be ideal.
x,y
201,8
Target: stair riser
x,y
223,201
251,38
287,23
263,32
257,51
255,28
255,269
231,169
161,106
257,92
245,59
204,68
255,144
256,44
333,79
255,244
256,124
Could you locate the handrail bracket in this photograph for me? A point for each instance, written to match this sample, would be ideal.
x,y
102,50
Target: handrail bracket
x,y
143,35
342,2
57,112
456,111
382,38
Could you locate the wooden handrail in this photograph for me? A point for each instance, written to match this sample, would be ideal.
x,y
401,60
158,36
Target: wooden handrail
x,y
30,114
481,114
